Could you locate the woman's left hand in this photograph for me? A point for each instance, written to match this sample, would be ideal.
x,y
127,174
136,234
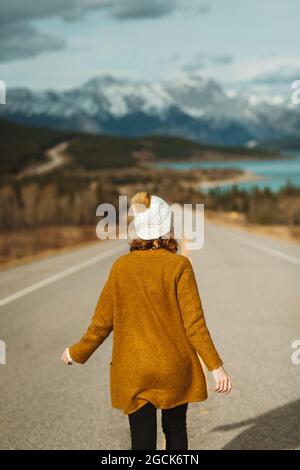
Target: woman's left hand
x,y
66,358
222,380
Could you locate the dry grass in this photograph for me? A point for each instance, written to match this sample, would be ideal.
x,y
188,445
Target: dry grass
x,y
236,220
20,246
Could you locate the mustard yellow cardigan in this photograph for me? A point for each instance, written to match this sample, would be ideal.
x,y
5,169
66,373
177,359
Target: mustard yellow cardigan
x,y
151,303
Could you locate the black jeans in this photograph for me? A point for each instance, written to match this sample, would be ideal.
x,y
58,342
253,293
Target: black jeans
x,y
143,427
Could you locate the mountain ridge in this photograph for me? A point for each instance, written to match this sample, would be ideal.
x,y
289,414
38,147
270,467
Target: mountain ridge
x,y
190,107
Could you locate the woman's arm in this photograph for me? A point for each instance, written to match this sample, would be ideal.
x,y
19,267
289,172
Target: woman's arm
x,y
193,318
196,329
100,326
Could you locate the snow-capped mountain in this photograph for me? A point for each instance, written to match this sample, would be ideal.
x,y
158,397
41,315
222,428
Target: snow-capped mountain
x,y
189,106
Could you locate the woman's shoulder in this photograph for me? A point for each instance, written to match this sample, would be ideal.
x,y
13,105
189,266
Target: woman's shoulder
x,y
183,261
177,263
120,260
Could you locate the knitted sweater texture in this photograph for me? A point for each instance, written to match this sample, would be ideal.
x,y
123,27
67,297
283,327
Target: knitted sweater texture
x,y
151,303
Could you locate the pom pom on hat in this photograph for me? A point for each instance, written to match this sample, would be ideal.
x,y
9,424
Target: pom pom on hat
x,y
142,198
152,215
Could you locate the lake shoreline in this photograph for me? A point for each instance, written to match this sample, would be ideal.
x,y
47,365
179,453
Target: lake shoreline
x,y
221,158
247,176
273,174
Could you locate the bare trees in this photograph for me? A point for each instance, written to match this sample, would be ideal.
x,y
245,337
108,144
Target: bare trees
x,y
35,205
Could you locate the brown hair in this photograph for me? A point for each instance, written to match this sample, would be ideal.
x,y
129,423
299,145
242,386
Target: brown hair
x,y
169,243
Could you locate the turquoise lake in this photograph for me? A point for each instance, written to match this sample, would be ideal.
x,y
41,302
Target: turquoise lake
x,y
275,173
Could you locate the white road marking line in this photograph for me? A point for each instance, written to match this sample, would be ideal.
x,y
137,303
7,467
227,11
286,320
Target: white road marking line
x,y
266,249
60,275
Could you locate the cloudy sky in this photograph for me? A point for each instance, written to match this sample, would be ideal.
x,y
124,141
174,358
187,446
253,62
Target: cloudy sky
x,y
61,44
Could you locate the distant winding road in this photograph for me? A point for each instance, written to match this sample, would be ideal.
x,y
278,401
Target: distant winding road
x,y
56,157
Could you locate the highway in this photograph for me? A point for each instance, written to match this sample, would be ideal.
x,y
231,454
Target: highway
x,y
249,285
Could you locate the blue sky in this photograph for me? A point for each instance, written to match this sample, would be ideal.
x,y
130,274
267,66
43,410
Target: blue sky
x,y
61,44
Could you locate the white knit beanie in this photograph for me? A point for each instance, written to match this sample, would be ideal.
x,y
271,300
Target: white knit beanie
x,y
152,216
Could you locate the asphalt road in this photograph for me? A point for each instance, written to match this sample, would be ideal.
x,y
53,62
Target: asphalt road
x,y
250,292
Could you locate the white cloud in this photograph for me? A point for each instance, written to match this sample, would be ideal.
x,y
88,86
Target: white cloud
x,y
21,39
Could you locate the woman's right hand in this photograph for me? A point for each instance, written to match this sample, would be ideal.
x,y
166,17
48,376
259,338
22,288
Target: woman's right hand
x,y
222,380
66,358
